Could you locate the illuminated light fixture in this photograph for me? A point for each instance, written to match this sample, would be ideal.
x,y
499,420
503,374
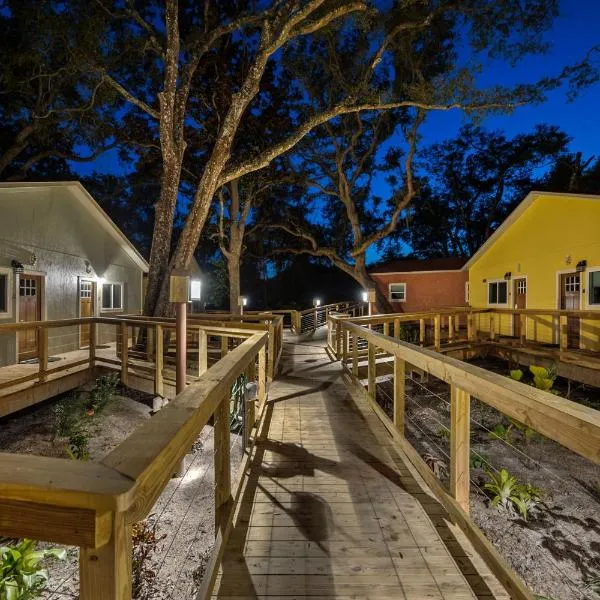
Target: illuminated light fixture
x,y
581,265
101,280
365,296
316,302
242,301
195,289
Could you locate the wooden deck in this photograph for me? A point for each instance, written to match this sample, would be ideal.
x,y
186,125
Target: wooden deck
x,y
333,509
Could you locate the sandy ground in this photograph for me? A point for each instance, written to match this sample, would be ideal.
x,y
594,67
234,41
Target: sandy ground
x,y
557,551
184,513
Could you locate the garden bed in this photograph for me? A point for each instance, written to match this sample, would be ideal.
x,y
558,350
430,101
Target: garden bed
x,y
179,532
557,549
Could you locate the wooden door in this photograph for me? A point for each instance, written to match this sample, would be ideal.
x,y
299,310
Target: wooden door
x,y
87,297
520,302
30,309
570,299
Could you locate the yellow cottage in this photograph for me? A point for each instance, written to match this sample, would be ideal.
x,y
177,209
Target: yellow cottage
x,y
544,256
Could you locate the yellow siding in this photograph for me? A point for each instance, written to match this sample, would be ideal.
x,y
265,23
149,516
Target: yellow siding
x,y
551,235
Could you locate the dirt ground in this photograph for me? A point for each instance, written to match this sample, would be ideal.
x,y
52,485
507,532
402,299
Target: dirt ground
x,y
183,514
557,550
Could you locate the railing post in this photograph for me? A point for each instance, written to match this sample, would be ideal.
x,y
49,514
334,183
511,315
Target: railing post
x,y
344,345
470,328
43,352
457,325
460,446
450,328
492,327
355,355
124,351
386,328
222,464
422,332
399,392
564,333
272,352
105,572
397,328
224,345
159,389
437,334
202,351
92,347
262,376
338,339
523,328
372,371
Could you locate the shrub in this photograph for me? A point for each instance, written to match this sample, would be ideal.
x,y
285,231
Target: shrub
x,y
79,443
508,494
103,392
543,378
22,574
516,374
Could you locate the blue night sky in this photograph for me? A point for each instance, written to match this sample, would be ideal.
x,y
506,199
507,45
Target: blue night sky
x,y
574,32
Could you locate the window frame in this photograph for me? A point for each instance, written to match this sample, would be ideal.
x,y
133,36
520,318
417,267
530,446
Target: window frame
x,y
8,291
404,289
588,272
497,281
112,293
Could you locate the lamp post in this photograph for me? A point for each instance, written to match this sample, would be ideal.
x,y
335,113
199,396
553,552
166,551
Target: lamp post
x,y
370,297
179,290
316,304
242,301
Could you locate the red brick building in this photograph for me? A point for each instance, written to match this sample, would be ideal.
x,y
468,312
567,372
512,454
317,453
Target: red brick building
x,y
414,285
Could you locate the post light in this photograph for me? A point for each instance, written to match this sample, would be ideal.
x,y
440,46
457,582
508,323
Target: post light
x,y
242,301
195,289
179,290
316,302
365,297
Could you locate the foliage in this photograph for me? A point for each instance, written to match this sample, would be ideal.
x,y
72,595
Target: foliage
x,y
444,433
543,378
516,374
510,495
479,460
528,433
144,541
74,413
502,432
22,574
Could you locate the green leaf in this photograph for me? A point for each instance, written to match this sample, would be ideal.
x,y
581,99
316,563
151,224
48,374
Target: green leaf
x,y
516,374
539,372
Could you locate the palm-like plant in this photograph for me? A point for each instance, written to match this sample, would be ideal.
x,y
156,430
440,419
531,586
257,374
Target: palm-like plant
x,y
510,495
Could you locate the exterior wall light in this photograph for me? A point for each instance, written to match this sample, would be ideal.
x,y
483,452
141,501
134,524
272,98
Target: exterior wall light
x,y
195,289
316,302
581,265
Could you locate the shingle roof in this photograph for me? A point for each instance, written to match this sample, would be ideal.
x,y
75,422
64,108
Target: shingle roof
x,y
415,264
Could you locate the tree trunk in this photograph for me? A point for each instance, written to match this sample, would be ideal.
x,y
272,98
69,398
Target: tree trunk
x,y
382,304
233,267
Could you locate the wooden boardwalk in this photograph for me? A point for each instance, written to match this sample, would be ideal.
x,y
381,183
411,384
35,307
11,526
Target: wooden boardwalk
x,y
330,507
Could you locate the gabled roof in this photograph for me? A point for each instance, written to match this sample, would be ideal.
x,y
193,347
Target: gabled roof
x,y
79,193
515,214
412,265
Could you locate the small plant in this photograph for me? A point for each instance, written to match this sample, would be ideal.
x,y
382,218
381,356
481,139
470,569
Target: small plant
x,y
103,393
528,433
479,461
78,444
501,432
510,495
543,378
516,374
22,574
444,433
144,541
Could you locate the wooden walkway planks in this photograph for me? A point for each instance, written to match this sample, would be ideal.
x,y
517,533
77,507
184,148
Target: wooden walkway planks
x,y
330,509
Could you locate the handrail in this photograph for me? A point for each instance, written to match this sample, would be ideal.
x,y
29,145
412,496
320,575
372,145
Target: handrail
x,y
573,425
94,505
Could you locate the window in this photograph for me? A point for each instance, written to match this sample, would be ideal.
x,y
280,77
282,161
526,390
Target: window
x,y
397,292
497,292
112,296
572,283
594,288
27,287
521,286
85,289
3,293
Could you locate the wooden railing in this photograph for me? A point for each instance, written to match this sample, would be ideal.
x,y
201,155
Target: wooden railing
x,y
94,505
573,425
305,321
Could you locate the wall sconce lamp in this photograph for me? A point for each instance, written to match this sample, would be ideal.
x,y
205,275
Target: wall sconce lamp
x,y
17,266
581,265
88,266
507,275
